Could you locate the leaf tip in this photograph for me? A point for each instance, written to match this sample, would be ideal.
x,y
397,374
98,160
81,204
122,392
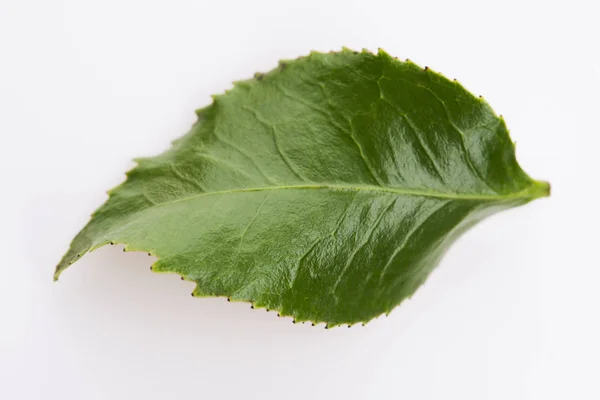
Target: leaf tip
x,y
544,189
538,189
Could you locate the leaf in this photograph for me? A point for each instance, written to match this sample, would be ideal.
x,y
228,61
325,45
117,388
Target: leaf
x,y
327,189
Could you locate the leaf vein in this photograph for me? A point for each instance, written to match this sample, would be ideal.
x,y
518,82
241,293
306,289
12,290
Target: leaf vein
x,y
425,149
337,225
407,238
276,143
185,179
462,135
363,244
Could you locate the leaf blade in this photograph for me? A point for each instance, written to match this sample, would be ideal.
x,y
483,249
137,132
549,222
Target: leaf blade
x,y
253,203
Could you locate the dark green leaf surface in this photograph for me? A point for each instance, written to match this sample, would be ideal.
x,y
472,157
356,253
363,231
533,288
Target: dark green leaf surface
x,y
327,189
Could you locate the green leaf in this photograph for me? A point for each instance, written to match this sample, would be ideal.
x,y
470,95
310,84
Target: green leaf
x,y
327,189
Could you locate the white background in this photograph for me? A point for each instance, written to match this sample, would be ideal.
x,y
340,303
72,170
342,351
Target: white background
x,y
85,86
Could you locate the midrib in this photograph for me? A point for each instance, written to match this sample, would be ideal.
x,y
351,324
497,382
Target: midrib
x,y
537,189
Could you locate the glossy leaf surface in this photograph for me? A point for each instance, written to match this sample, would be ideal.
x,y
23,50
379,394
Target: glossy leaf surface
x,y
327,189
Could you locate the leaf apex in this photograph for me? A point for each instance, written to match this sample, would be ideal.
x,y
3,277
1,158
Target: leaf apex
x,y
543,189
